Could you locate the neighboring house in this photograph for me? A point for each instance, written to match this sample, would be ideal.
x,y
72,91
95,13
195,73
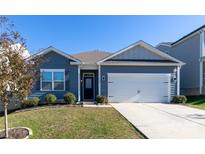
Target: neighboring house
x,y
189,49
137,73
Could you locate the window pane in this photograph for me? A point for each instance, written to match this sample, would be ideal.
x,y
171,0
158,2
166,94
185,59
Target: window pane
x,y
88,83
46,85
47,76
58,85
59,76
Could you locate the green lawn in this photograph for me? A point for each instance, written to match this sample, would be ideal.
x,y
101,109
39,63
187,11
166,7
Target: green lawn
x,y
196,101
74,122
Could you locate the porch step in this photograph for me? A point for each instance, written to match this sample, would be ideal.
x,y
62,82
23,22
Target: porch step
x,y
88,103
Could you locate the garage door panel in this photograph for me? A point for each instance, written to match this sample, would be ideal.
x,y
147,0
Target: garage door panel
x,y
138,87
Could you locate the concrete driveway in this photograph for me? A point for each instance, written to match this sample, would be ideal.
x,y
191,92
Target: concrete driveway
x,y
157,120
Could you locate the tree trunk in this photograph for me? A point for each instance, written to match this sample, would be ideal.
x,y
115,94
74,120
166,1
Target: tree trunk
x,y
6,122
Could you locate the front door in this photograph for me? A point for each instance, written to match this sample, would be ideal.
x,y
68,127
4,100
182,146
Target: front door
x,y
88,88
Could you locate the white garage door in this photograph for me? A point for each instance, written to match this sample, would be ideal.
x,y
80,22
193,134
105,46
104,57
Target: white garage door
x,y
135,87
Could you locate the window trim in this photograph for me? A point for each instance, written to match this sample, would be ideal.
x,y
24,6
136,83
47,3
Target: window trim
x,y
52,81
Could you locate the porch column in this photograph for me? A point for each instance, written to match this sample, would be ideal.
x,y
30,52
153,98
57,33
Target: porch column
x,y
99,80
78,83
178,80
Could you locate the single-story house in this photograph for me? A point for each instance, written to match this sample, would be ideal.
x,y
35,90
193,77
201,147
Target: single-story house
x,y
137,73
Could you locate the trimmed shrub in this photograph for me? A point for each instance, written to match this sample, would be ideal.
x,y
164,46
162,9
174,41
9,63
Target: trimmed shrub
x,y
181,99
101,100
30,102
70,98
34,101
50,98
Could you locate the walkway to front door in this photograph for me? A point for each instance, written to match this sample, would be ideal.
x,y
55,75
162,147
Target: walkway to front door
x,y
157,120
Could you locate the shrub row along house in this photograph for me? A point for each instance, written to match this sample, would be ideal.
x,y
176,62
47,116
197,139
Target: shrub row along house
x,y
137,73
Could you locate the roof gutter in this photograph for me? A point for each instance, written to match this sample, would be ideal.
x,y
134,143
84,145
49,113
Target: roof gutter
x,y
187,37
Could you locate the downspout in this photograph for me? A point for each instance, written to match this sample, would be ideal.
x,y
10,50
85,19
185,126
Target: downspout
x,y
99,79
178,80
78,83
201,62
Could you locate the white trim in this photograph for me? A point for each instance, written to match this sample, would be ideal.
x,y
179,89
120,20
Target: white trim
x,y
202,44
202,53
139,64
52,70
49,49
147,46
78,82
200,76
169,88
178,80
142,74
93,76
52,81
99,80
75,63
89,67
163,44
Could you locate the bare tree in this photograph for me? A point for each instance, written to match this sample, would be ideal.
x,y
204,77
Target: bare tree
x,y
17,74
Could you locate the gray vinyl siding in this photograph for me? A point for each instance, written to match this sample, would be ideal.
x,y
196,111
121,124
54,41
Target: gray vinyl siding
x,y
165,49
139,53
188,52
135,69
56,61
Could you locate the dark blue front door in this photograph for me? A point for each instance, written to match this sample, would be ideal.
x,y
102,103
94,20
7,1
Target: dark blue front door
x,y
88,88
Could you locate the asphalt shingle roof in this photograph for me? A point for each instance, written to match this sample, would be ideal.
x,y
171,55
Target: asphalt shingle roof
x,y
91,57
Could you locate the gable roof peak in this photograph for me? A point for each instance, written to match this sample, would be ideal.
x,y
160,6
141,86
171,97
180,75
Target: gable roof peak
x,y
145,45
53,49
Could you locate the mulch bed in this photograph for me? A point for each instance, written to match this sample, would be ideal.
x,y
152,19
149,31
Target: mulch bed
x,y
15,133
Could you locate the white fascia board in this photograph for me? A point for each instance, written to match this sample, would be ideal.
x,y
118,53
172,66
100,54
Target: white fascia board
x,y
83,63
49,49
75,63
163,45
53,70
140,64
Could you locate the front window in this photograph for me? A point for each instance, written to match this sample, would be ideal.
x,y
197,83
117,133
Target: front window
x,y
52,80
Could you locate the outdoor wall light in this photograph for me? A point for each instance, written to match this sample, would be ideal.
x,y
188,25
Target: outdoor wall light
x,y
103,77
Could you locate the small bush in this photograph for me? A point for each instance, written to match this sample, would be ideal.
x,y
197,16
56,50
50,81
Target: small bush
x,y
181,99
34,101
30,102
50,98
70,98
101,100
